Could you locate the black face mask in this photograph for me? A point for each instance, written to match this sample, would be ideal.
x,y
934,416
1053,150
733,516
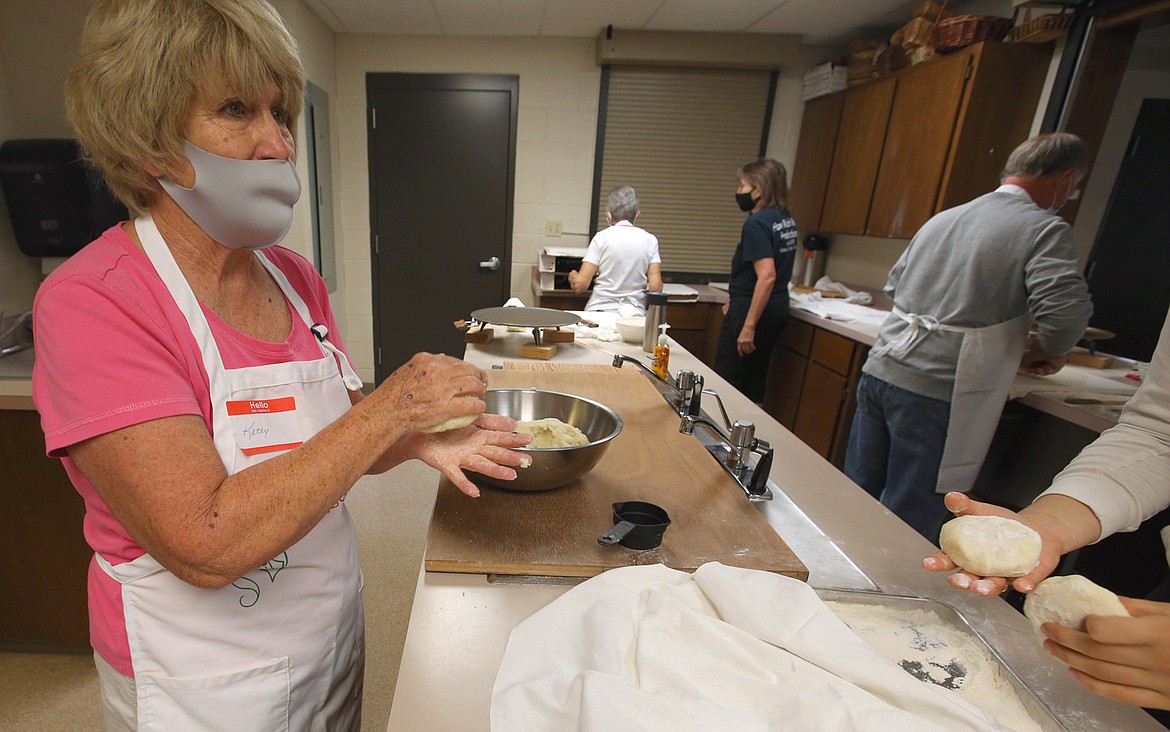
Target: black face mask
x,y
745,201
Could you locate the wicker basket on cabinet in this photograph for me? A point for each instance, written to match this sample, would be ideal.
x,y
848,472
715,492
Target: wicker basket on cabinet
x,y
951,34
1042,28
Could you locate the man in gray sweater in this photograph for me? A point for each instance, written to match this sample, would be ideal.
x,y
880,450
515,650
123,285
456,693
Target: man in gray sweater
x,y
965,291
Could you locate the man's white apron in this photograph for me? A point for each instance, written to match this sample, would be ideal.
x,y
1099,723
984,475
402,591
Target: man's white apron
x,y
281,648
989,359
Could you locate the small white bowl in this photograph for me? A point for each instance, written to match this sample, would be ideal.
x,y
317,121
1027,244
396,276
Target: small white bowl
x,y
632,329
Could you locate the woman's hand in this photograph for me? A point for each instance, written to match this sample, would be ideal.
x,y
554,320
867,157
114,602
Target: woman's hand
x,y
1050,552
1125,659
483,447
429,390
746,342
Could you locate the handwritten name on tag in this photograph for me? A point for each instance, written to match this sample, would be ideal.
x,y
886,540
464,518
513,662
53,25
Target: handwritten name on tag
x,y
264,425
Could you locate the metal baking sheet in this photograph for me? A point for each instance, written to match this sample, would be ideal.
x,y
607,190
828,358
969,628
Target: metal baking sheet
x,y
948,670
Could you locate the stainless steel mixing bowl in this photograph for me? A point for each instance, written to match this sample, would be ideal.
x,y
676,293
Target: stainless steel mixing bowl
x,y
553,467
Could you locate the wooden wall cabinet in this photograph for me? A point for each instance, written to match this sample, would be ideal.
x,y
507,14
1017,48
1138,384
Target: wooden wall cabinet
x,y
922,140
814,157
812,383
856,156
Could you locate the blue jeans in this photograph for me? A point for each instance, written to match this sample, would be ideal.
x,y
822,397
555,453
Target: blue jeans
x,y
895,449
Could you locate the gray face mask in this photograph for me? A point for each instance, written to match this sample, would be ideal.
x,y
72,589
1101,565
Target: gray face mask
x,y
242,204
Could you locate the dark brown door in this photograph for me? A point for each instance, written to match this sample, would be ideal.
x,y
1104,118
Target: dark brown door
x,y
442,169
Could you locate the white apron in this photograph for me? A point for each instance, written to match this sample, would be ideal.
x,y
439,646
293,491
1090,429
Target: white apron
x,y
281,648
989,359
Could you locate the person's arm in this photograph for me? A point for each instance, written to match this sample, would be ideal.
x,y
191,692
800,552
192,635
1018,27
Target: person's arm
x,y
765,281
654,277
579,280
1058,296
165,483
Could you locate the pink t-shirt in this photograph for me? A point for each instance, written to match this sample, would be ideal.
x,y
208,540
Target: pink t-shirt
x,y
114,350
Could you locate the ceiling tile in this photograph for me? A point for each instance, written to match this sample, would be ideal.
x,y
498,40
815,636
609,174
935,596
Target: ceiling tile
x,y
710,15
396,16
496,18
589,18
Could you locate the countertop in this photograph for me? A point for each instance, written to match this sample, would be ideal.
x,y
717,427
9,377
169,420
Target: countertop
x,y
460,622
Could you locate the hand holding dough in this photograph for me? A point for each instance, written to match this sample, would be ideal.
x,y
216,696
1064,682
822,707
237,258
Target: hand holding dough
x,y
1068,601
991,546
452,424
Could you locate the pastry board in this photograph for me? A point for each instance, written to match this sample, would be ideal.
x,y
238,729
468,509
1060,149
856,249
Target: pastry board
x,y
554,533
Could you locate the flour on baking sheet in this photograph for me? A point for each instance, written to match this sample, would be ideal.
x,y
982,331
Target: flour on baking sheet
x,y
921,642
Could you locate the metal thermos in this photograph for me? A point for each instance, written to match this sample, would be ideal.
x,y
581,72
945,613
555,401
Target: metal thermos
x,y
655,316
814,259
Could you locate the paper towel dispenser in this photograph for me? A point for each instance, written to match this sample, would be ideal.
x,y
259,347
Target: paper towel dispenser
x,y
56,202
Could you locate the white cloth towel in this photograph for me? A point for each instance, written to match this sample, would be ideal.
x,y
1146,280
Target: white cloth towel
x,y
652,648
854,296
834,308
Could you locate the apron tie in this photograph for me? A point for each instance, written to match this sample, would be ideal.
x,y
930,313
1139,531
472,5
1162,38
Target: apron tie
x,y
920,325
352,382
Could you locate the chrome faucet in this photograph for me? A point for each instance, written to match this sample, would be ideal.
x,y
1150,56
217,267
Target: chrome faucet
x,y
686,389
738,444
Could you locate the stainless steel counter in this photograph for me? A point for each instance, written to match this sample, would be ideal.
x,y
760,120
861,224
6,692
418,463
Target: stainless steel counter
x,y
460,623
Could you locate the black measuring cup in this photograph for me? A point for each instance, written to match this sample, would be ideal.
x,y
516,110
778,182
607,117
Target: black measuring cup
x,y
636,525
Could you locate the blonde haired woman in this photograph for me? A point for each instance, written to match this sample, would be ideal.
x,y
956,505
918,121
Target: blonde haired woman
x,y
190,376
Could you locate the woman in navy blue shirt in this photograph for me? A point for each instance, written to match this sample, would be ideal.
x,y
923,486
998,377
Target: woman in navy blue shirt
x,y
758,286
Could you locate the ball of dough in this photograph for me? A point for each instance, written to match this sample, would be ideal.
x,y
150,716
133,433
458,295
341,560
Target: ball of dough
x,y
552,432
991,546
1068,600
453,424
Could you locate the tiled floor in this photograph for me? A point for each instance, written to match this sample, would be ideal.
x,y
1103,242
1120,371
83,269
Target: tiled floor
x,y
58,692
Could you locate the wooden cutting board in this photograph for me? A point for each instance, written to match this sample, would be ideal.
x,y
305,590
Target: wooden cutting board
x,y
554,533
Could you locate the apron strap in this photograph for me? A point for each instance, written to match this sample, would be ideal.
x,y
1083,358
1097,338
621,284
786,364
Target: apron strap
x,y
352,382
168,269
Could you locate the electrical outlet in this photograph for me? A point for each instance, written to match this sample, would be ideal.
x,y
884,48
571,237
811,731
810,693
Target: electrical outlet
x,y
552,227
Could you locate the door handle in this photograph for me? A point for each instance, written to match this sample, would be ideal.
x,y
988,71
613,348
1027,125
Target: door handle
x,y
492,264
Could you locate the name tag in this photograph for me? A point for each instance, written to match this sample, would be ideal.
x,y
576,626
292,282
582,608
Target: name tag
x,y
264,425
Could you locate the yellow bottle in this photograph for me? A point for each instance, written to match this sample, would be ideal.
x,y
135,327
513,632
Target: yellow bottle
x,y
661,357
